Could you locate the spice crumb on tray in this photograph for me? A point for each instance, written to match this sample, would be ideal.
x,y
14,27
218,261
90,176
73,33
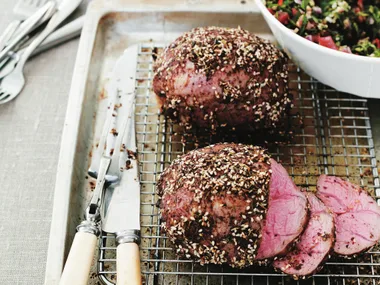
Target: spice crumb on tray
x,y
351,26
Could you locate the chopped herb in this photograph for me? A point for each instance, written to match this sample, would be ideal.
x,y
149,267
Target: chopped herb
x,y
304,4
353,25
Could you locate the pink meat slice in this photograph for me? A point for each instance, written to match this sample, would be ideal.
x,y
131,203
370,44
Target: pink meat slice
x,y
357,215
314,245
286,216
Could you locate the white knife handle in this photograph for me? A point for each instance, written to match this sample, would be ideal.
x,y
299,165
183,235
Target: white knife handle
x,y
8,33
64,10
78,263
67,32
128,264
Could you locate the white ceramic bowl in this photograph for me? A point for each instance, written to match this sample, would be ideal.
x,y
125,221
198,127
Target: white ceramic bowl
x,y
359,75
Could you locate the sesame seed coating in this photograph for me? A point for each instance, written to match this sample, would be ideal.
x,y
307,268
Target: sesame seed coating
x,y
218,78
214,201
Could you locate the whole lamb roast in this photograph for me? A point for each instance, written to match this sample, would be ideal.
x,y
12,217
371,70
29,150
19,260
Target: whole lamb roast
x,y
214,205
222,78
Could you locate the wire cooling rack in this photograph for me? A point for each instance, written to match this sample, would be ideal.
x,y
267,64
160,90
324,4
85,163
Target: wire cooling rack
x,y
332,135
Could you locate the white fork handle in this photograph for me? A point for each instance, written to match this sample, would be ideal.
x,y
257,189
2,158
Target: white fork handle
x,y
64,10
78,263
67,32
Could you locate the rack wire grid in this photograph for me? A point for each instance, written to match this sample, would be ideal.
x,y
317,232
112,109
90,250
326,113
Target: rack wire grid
x,y
334,138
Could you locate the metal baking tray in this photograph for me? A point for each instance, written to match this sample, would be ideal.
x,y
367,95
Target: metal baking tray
x,y
334,137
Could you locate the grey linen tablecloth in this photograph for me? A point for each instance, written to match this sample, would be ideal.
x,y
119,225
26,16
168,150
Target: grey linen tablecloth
x,y
30,136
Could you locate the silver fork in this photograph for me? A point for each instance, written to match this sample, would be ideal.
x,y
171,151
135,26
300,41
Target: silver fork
x,y
77,266
14,82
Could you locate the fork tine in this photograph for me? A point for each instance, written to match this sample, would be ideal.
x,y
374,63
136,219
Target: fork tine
x,y
7,99
3,95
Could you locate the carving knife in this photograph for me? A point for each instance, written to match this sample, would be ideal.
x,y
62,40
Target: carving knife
x,y
121,213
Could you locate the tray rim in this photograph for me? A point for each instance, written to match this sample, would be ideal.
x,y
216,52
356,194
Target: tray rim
x,y
63,185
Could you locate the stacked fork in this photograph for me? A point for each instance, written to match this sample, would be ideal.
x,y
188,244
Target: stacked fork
x,y
13,57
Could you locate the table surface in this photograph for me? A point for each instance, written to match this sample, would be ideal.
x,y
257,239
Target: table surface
x,y
30,136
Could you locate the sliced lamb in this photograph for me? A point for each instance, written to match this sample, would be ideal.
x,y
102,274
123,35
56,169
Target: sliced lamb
x,y
314,245
357,215
286,216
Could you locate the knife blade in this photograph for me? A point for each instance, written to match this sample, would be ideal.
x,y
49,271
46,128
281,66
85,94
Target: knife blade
x,y
122,213
121,203
125,197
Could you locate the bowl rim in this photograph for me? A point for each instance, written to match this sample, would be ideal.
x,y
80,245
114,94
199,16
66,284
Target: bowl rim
x,y
310,44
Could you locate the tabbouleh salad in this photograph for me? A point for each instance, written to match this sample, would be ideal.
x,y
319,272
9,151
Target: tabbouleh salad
x,y
351,26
